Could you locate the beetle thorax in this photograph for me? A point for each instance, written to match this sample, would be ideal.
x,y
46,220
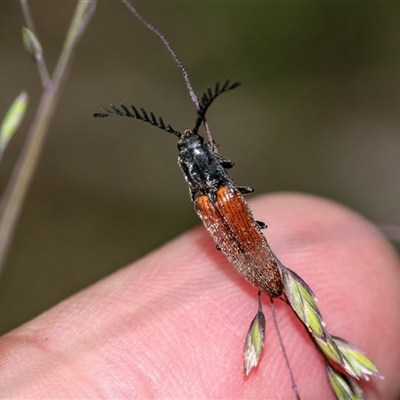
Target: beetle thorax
x,y
199,164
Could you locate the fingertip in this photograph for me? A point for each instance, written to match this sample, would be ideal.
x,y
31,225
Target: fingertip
x,y
351,267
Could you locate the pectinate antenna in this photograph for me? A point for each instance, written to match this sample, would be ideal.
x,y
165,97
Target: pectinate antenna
x,y
208,98
143,116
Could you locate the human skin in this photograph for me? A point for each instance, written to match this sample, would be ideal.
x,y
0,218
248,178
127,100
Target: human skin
x,y
173,324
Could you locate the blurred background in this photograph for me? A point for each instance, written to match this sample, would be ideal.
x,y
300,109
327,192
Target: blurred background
x,y
318,112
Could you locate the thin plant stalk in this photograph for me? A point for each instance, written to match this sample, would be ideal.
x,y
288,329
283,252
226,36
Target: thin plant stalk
x,y
292,380
15,192
40,61
178,62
